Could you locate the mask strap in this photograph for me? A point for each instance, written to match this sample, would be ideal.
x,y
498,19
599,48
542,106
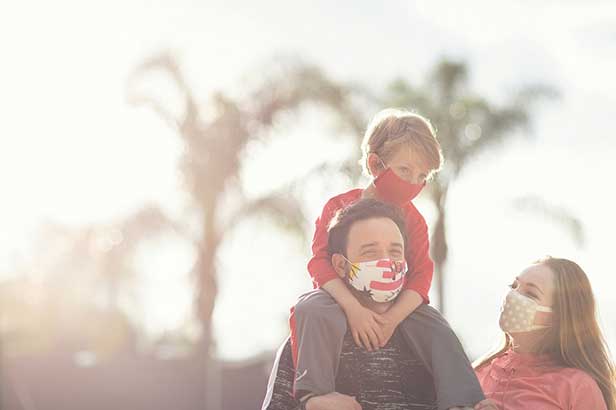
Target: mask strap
x,y
544,309
381,161
539,327
350,263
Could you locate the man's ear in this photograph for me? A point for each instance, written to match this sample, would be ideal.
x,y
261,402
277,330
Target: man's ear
x,y
339,264
374,164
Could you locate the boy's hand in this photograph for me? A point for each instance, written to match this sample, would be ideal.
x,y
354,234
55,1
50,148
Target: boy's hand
x,y
365,328
387,326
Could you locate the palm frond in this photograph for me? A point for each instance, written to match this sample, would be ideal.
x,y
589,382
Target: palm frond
x,y
558,215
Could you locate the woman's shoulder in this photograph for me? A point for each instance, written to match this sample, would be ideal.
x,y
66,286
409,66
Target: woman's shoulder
x,y
582,390
578,378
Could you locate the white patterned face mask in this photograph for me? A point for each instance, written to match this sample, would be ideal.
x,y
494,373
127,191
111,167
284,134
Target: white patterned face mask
x,y
518,313
381,279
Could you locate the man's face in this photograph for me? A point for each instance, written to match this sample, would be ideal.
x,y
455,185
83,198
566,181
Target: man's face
x,y
372,239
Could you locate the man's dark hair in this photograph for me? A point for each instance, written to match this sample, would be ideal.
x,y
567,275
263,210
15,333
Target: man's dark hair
x,y
359,211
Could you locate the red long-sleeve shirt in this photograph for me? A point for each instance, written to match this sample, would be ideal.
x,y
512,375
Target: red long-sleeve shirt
x,y
421,267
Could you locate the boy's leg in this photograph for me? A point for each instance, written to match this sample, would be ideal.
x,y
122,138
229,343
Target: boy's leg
x,y
279,394
455,382
318,326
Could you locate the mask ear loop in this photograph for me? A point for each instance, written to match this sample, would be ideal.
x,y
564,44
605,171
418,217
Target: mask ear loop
x,y
382,165
353,271
544,309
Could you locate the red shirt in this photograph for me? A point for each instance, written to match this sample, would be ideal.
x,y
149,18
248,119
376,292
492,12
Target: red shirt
x,y
522,381
421,267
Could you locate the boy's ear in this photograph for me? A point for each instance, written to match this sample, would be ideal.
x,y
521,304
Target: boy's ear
x,y
339,264
374,164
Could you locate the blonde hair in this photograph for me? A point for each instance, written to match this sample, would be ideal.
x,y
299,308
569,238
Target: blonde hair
x,y
391,128
575,339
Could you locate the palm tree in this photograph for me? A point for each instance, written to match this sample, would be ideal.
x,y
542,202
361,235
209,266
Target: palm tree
x,y
468,124
215,149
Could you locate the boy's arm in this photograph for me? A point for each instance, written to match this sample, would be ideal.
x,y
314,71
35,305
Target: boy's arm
x,y
407,301
320,265
365,325
341,294
421,266
419,277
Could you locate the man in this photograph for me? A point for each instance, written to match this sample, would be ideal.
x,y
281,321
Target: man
x,y
366,242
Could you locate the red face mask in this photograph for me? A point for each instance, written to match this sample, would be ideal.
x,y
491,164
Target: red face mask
x,y
393,189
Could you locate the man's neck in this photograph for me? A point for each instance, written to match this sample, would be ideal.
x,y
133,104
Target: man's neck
x,y
378,307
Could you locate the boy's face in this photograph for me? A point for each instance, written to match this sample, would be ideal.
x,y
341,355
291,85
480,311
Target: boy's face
x,y
408,165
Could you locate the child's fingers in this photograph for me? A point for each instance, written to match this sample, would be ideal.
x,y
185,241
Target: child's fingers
x,y
378,330
374,339
356,338
366,341
380,319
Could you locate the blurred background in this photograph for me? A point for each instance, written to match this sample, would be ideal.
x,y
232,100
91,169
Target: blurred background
x,y
162,165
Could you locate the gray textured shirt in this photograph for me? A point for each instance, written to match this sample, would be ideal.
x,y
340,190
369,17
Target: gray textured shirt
x,y
391,378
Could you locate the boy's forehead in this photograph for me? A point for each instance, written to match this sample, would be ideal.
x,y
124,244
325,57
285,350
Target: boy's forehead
x,y
411,156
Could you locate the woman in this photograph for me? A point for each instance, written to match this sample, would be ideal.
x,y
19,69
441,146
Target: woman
x,y
554,355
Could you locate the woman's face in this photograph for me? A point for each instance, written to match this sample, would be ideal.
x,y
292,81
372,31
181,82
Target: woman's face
x,y
537,283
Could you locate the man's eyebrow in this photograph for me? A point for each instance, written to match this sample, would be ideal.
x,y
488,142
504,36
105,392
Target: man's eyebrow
x,y
531,284
397,245
367,245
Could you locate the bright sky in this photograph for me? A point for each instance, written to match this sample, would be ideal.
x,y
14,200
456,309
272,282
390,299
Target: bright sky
x,y
73,151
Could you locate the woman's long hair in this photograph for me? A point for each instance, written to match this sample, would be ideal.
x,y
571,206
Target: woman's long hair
x,y
574,339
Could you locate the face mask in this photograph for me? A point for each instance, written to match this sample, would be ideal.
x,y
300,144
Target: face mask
x,y
518,313
381,280
393,189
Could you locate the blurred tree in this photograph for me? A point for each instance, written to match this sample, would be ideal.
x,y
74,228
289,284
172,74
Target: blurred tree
x,y
215,137
468,124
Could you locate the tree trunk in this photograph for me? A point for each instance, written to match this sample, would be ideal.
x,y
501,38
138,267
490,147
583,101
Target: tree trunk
x,y
439,245
205,270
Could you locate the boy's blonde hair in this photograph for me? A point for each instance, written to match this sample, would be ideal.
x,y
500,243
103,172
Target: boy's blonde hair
x,y
392,128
